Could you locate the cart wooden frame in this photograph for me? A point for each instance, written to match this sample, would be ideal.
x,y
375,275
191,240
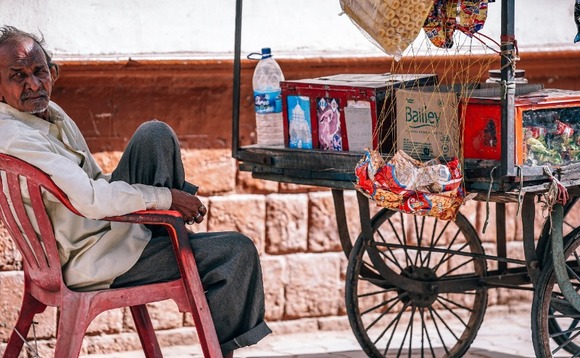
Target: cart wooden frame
x,y
413,284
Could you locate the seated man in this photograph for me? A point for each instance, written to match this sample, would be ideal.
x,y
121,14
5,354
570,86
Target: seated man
x,y
97,254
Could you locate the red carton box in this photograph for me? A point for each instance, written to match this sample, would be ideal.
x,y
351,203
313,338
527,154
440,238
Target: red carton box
x,y
343,112
546,121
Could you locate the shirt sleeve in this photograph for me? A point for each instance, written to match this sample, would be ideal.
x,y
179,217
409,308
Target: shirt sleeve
x,y
94,198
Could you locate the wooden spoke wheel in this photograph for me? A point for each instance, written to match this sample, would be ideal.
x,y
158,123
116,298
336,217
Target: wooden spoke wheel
x,y
555,323
437,308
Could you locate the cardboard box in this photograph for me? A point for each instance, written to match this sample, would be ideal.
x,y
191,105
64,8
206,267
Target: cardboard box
x,y
345,112
427,121
546,127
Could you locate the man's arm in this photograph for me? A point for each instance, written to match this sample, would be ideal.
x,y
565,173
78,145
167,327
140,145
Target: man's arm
x,y
94,199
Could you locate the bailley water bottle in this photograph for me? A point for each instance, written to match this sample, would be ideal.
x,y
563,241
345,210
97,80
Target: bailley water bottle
x,y
268,100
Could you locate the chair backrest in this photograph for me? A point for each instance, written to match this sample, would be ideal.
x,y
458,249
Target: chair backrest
x,y
39,250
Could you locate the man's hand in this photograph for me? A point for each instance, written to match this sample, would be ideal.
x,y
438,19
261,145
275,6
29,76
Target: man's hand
x,y
190,207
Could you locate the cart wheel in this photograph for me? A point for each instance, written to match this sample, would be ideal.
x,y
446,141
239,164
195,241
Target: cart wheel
x,y
390,321
552,315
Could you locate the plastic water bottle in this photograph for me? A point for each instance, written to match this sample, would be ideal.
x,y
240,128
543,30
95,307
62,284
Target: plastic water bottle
x,y
268,100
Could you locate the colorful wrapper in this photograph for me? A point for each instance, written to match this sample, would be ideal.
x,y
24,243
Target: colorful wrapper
x,y
446,16
410,186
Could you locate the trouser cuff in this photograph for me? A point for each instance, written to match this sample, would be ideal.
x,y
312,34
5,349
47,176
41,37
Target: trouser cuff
x,y
248,338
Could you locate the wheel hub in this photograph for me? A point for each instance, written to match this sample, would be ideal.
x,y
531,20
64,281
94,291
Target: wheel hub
x,y
424,274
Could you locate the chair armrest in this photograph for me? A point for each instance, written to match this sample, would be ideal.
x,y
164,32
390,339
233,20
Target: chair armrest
x,y
175,225
159,217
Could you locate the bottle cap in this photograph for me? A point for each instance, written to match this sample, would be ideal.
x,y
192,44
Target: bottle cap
x,y
266,52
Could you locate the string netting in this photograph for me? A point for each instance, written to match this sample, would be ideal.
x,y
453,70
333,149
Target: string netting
x,y
416,165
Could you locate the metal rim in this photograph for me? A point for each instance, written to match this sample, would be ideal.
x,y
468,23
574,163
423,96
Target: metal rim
x,y
390,321
555,323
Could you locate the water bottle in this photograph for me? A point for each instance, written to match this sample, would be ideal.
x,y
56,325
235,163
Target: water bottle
x,y
268,100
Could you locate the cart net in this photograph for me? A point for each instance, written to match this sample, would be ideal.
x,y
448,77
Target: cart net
x,y
415,164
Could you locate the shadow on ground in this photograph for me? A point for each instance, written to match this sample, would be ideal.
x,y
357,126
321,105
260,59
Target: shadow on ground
x,y
473,353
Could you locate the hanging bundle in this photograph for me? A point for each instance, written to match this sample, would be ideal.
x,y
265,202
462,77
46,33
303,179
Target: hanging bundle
x,y
446,16
557,192
410,186
392,25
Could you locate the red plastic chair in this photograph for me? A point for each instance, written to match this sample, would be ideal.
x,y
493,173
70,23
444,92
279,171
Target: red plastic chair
x,y
44,285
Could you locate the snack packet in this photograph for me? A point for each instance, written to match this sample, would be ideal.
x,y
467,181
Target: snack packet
x,y
410,186
392,25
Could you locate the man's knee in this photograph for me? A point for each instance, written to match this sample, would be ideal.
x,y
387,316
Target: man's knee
x,y
241,243
155,128
247,246
155,134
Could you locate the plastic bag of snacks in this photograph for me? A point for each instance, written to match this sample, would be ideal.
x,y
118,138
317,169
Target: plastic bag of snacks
x,y
391,24
556,144
472,15
446,16
410,186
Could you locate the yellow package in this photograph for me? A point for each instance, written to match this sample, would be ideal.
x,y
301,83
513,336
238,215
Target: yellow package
x,y
392,25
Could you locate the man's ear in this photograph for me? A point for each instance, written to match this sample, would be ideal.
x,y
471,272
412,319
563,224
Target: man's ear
x,y
54,72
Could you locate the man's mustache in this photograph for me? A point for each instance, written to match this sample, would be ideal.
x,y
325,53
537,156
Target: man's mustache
x,y
28,95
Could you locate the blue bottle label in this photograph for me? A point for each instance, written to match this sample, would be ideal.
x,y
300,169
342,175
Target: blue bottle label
x,y
268,102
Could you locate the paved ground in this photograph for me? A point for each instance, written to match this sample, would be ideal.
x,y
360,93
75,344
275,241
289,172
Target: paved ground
x,y
502,335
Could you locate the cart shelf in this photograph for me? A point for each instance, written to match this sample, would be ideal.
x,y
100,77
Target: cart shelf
x,y
300,166
336,170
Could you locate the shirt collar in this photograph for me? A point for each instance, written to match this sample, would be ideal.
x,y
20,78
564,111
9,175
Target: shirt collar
x,y
54,114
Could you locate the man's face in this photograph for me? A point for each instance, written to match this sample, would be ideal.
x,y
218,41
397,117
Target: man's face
x,y
25,78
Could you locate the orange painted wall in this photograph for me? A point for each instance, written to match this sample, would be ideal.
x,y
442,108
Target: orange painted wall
x,y
110,99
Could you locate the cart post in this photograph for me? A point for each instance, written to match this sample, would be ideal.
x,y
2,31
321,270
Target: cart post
x,y
237,75
508,88
528,219
341,223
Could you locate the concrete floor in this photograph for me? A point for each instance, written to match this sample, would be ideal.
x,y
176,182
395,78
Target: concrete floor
x,y
502,335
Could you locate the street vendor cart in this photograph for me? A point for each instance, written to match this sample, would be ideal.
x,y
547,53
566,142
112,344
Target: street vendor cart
x,y
410,276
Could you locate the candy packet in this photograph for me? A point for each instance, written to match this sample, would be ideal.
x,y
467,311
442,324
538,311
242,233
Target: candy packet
x,y
405,184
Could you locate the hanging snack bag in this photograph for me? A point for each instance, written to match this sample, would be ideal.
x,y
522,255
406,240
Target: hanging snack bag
x,y
441,22
392,25
410,186
472,15
446,16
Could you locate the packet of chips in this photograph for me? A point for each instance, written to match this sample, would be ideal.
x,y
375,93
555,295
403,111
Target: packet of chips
x,y
410,186
392,25
472,15
446,16
441,22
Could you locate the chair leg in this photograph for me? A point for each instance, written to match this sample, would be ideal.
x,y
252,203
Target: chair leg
x,y
30,307
73,321
146,331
